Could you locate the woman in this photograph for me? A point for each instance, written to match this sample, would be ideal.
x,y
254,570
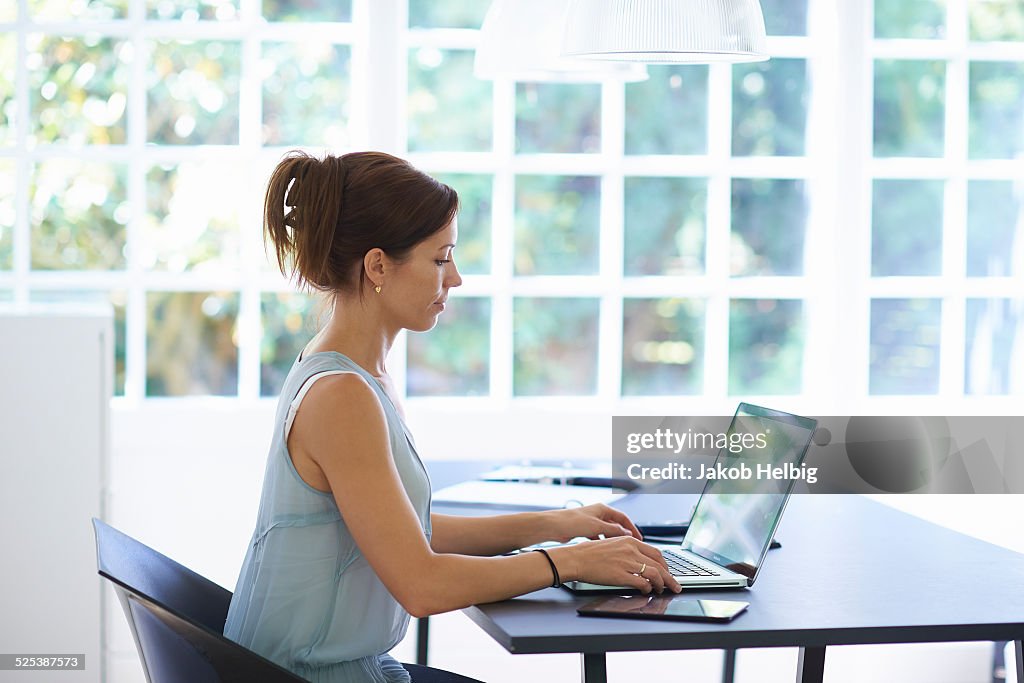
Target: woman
x,y
345,547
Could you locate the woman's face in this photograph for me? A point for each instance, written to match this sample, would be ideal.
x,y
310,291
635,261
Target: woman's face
x,y
417,288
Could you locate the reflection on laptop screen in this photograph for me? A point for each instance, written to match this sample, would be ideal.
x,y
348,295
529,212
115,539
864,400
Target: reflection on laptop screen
x,y
735,519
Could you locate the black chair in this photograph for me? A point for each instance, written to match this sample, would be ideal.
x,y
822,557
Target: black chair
x,y
177,619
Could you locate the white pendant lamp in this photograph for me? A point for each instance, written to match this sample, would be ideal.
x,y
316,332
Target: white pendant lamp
x,y
522,40
665,31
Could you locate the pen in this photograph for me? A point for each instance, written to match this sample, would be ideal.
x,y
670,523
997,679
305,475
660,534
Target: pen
x,y
605,482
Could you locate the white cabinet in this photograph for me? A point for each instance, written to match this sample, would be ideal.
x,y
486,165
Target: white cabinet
x,y
55,388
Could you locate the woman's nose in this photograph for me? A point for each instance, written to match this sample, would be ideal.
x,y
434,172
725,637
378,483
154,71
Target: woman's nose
x,y
454,278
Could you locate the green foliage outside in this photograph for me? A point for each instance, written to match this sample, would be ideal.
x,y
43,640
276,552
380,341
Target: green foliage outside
x,y
473,251
910,110
448,14
766,347
65,195
306,10
191,347
904,353
558,117
996,125
769,225
448,108
193,10
289,321
453,359
63,10
79,89
996,20
662,347
785,17
8,67
921,19
668,113
306,99
906,227
665,225
769,101
554,346
993,214
7,216
192,92
557,225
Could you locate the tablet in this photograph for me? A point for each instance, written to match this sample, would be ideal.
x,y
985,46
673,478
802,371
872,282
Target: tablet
x,y
671,607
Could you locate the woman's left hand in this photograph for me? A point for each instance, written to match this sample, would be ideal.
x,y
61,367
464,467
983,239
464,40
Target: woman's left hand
x,y
592,521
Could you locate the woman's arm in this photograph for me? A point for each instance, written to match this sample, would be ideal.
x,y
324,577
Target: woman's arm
x,y
490,535
493,535
342,428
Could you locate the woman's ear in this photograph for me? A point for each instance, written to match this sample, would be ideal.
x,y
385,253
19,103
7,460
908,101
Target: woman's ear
x,y
373,264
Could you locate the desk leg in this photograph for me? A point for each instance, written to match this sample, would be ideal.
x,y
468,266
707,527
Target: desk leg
x,y
810,668
1018,651
728,665
595,668
422,640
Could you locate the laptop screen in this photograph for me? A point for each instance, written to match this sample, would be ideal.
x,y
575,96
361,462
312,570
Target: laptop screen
x,y
735,520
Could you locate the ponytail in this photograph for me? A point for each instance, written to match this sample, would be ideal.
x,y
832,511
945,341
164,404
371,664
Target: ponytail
x,y
301,212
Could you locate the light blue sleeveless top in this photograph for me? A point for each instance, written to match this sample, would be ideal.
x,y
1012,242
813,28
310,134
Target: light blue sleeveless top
x,y
306,597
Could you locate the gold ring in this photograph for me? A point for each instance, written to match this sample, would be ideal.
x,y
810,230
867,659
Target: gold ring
x,y
642,568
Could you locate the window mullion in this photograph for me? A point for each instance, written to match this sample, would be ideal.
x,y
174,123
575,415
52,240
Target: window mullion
x,y
821,315
135,307
22,233
387,56
716,326
503,241
952,347
852,253
250,219
610,325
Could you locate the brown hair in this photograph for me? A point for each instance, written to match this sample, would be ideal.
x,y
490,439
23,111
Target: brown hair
x,y
323,215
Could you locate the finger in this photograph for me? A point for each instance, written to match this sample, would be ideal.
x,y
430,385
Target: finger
x,y
612,529
655,576
623,520
670,581
634,580
653,554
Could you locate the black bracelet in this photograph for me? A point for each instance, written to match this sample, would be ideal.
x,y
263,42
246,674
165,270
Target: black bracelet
x,y
554,569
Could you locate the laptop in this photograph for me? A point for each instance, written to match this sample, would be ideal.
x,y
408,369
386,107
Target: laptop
x,y
734,520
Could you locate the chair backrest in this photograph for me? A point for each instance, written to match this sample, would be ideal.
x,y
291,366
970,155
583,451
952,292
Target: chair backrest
x,y
176,616
139,568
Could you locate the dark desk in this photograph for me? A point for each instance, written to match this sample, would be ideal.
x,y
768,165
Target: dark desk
x,y
851,571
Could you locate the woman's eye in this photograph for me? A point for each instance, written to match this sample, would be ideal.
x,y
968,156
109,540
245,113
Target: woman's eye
x,y
441,262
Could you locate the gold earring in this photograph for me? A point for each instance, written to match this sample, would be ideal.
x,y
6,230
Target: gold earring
x,y
377,289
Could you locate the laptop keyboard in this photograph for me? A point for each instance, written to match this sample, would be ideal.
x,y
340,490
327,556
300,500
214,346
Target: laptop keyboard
x,y
680,566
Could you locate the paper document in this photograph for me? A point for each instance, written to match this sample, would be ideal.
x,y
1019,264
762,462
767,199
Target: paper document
x,y
542,473
523,494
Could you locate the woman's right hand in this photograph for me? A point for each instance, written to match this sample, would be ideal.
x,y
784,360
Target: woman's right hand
x,y
615,562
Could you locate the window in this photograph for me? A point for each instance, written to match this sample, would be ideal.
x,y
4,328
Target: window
x,y
947,226
841,222
136,136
